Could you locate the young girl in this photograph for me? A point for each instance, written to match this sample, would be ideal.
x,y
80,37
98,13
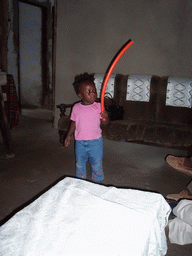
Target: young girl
x,y
86,119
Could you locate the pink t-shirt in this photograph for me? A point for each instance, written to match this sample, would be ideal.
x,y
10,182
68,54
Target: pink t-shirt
x,y
87,121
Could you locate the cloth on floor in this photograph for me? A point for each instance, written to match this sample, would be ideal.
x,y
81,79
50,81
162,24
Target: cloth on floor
x,y
180,228
77,217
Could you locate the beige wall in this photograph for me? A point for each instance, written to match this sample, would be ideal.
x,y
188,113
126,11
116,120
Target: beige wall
x,y
90,32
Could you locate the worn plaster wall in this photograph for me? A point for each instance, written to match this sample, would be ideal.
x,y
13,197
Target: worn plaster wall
x,y
89,34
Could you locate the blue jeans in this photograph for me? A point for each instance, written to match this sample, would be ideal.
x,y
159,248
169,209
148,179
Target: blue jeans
x,y
91,150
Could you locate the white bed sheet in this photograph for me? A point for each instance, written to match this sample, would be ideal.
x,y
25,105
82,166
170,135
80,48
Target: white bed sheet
x,y
77,217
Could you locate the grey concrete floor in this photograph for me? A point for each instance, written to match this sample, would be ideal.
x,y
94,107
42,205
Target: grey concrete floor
x,y
40,162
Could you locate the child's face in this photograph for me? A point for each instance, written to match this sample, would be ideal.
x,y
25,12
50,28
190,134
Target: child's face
x,y
88,94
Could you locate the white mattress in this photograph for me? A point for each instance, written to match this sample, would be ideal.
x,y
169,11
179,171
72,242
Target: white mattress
x,y
77,217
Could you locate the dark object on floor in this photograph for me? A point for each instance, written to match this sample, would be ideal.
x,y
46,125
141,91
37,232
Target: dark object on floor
x,y
172,204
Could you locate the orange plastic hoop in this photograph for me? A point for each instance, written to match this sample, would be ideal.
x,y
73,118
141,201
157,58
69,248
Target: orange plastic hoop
x,y
124,48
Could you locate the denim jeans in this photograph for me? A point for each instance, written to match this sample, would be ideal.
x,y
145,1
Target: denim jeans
x,y
91,150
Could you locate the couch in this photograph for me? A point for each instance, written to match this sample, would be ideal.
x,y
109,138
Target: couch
x,y
157,110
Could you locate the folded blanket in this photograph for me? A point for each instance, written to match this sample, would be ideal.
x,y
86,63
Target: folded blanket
x,y
3,78
11,103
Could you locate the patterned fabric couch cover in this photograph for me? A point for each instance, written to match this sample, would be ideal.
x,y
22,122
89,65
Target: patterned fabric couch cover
x,y
158,110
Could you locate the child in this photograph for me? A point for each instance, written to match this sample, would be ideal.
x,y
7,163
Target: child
x,y
86,118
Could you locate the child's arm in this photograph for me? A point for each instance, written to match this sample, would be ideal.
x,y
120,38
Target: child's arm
x,y
69,133
105,118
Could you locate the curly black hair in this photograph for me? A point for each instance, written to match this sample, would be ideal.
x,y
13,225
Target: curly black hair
x,y
82,79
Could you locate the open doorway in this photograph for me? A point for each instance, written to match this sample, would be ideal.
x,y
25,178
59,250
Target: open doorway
x,y
33,51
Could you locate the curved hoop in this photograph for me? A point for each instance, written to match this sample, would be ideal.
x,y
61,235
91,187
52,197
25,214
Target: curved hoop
x,y
121,52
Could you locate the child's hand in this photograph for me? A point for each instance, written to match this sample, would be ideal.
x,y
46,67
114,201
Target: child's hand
x,y
69,134
67,141
104,114
105,118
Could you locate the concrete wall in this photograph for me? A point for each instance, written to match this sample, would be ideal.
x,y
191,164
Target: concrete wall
x,y
89,34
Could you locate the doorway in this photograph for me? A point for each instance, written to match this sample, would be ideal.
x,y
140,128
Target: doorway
x,y
33,67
